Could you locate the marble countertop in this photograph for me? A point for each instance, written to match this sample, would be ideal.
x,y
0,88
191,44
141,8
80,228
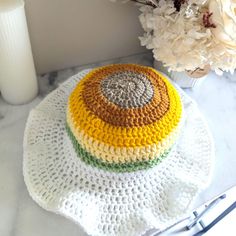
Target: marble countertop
x,y
21,216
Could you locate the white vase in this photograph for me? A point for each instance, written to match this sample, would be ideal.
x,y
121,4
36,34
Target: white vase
x,y
183,79
18,81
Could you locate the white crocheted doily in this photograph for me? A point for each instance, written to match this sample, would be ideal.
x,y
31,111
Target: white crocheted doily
x,y
106,203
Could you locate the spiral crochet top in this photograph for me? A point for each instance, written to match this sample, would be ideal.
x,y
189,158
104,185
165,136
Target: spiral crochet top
x,y
123,117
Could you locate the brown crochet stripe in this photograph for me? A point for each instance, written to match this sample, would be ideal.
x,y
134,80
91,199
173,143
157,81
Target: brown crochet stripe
x,y
117,116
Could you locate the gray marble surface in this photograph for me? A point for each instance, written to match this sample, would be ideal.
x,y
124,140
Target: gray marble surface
x,y
21,216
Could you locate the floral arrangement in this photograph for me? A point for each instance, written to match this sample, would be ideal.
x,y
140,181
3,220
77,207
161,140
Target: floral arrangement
x,y
189,34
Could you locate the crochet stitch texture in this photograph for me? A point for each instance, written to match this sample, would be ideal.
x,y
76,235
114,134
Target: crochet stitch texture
x,y
107,203
123,117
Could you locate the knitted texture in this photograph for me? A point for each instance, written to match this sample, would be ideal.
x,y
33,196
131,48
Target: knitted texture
x,y
106,203
127,89
117,167
127,115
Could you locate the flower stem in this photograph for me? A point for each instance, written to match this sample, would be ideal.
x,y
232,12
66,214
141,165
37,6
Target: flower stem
x,y
144,3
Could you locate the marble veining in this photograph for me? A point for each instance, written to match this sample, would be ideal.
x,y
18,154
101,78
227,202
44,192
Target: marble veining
x,y
21,216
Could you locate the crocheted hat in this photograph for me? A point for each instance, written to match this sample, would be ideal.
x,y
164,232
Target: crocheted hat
x,y
123,117
102,180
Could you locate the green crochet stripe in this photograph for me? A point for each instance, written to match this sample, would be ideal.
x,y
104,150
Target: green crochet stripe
x,y
114,167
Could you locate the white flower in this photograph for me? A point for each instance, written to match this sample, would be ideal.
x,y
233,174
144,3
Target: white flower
x,y
179,42
224,17
182,42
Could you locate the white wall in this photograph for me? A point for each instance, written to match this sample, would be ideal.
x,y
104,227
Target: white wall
x,y
67,33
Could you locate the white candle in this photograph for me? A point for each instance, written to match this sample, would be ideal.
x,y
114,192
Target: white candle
x,y
18,81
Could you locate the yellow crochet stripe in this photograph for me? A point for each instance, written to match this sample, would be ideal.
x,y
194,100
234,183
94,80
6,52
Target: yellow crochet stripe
x,y
94,127
122,154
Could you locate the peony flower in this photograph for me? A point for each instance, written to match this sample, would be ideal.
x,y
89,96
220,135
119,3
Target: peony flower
x,y
178,41
224,17
200,33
